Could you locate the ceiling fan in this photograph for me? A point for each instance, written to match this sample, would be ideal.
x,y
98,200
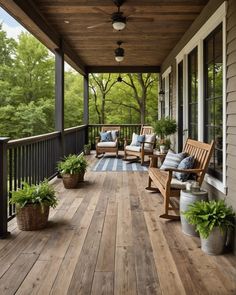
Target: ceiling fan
x,y
118,19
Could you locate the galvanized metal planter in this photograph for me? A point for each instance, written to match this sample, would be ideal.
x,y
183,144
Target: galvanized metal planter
x,y
215,243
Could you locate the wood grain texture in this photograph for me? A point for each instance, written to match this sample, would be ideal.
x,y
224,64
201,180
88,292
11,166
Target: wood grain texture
x,y
70,20
106,238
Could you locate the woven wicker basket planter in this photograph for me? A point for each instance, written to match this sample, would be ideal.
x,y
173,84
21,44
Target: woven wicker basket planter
x,y
81,176
70,180
32,217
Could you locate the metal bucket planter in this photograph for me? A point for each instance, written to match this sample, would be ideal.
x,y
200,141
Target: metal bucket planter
x,y
215,243
187,198
32,217
70,180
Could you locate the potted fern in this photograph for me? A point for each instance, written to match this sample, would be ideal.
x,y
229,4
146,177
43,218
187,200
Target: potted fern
x,y
72,168
164,128
212,220
32,205
87,149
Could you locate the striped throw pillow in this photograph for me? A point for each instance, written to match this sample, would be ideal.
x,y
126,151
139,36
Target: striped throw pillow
x,y
172,160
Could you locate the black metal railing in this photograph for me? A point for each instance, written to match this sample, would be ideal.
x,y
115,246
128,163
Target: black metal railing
x,y
75,139
126,131
32,160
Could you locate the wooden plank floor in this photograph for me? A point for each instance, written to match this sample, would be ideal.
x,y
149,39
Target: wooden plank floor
x,y
106,238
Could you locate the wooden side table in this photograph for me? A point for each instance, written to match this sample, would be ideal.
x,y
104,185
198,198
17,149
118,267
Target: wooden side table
x,y
154,159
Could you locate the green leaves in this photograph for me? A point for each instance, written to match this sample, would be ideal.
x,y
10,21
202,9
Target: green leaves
x,y
43,194
73,164
207,215
165,127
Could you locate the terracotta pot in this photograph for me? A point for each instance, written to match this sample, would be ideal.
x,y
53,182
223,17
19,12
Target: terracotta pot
x,y
32,217
70,180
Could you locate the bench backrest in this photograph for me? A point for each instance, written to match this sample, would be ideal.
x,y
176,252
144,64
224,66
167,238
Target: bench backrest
x,y
202,153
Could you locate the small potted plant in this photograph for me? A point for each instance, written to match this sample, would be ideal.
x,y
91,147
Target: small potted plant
x,y
32,205
72,169
163,128
87,149
212,220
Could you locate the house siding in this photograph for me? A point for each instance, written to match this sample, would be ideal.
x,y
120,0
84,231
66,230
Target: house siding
x,y
210,8
231,104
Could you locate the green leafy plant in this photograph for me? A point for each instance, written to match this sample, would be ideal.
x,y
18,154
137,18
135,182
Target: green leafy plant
x,y
43,194
87,146
73,164
208,215
165,127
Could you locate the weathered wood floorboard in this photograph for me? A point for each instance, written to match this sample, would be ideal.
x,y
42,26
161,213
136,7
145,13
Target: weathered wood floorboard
x,y
106,238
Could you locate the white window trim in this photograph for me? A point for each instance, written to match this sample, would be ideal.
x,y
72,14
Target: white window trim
x,y
166,77
197,41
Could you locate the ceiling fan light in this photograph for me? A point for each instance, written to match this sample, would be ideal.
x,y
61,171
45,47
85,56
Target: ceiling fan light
x,y
119,54
118,25
119,58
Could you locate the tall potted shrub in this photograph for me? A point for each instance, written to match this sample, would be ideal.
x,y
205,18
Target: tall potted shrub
x,y
32,205
72,169
212,220
163,128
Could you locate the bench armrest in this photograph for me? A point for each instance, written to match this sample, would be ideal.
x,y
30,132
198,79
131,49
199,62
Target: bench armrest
x,y
184,170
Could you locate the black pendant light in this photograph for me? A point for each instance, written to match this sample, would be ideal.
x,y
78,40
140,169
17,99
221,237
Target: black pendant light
x,y
119,52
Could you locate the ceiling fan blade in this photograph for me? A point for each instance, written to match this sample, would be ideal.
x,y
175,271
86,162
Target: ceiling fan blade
x,y
98,25
140,19
97,9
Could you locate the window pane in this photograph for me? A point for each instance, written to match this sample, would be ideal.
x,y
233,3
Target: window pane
x,y
193,94
213,122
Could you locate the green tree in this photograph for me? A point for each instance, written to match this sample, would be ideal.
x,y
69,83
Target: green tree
x,y
33,71
73,99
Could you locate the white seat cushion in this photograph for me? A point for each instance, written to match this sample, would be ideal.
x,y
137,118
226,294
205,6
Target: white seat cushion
x,y
175,183
133,148
107,144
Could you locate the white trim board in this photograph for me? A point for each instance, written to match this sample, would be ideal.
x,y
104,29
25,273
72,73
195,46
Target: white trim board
x,y
204,31
197,41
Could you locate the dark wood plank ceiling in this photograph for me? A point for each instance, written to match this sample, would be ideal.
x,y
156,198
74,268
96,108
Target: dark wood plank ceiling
x,y
145,43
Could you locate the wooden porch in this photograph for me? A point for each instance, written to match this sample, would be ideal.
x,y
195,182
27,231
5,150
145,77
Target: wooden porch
x,y
106,238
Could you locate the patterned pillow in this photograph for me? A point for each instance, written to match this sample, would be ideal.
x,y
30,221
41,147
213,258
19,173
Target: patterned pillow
x,y
186,163
172,160
149,138
105,136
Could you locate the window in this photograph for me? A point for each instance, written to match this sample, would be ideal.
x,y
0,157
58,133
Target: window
x,y
193,94
170,95
213,98
180,106
163,101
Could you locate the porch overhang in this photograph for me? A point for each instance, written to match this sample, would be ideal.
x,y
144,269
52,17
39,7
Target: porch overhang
x,y
64,25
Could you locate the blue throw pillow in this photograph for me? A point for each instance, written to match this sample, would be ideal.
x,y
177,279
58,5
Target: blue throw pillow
x,y
172,160
140,139
186,163
105,136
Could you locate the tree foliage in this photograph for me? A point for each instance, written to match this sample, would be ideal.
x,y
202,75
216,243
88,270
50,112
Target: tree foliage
x,y
27,95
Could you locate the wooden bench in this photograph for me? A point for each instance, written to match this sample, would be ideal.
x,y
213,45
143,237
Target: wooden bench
x,y
170,187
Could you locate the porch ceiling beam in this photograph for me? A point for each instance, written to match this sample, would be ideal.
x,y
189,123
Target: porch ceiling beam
x,y
27,14
123,69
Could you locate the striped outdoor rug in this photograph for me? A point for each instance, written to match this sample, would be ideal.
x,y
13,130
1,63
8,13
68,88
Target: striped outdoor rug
x,y
114,164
